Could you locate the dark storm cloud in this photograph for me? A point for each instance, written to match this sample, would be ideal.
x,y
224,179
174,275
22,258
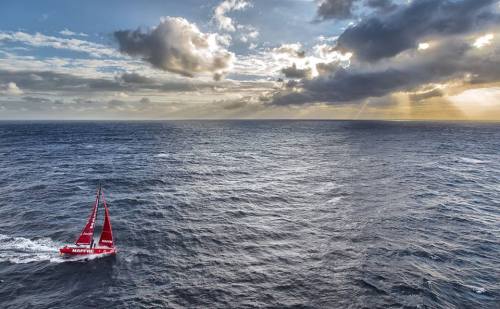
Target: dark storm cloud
x,y
381,5
385,36
376,72
294,72
335,9
343,9
454,59
292,83
177,46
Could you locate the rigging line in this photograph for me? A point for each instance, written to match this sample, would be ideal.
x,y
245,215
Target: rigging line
x,y
96,213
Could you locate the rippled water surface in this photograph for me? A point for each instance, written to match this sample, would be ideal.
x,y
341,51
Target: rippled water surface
x,y
245,214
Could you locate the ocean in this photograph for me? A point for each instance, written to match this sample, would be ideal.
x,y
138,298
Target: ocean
x,y
253,214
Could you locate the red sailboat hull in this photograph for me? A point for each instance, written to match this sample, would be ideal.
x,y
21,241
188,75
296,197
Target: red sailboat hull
x,y
86,251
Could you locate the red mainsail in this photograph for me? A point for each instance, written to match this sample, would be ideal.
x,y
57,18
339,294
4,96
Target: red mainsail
x,y
87,234
106,238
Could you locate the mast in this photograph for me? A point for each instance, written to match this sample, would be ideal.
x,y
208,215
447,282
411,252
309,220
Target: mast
x,y
96,213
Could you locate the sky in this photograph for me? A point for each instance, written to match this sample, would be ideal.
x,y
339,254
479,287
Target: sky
x,y
250,59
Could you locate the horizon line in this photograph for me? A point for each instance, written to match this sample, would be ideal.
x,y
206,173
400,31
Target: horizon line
x,y
243,119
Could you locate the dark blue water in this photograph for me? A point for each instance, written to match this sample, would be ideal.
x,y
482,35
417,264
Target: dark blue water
x,y
247,214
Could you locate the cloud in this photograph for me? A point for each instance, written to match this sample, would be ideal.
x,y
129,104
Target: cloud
x,y
382,5
344,9
484,40
116,104
245,33
294,72
41,40
269,62
248,33
10,88
291,49
452,60
385,36
423,95
135,78
36,99
177,46
335,9
67,32
223,21
41,81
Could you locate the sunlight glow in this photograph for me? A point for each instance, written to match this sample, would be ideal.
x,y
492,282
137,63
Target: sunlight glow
x,y
482,103
423,46
484,40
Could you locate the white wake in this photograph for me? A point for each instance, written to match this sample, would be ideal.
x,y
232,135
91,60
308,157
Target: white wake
x,y
19,250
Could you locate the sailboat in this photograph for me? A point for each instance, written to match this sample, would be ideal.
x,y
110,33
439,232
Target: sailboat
x,y
85,245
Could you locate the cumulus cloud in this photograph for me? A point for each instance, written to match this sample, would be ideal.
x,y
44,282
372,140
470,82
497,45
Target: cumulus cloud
x,y
294,72
291,49
247,33
177,46
220,13
10,88
385,36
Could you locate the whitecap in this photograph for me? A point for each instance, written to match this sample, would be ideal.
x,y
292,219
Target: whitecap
x,y
471,160
334,200
162,155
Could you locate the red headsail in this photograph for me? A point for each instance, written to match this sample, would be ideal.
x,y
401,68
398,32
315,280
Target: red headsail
x,y
106,238
87,234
